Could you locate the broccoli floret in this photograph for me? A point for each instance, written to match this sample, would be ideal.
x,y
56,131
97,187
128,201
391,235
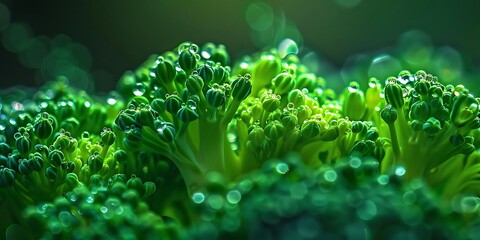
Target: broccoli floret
x,y
287,199
205,119
113,209
258,149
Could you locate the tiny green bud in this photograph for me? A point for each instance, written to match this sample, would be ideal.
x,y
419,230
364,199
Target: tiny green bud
x,y
432,126
241,87
464,110
372,95
124,120
256,135
108,137
51,173
389,114
188,112
173,103
283,83
133,137
43,126
164,71
95,162
265,69
135,183
23,142
72,180
354,103
149,189
274,130
221,74
187,60
372,134
297,97
289,120
394,94
7,177
5,149
166,130
205,71
215,97
144,116
419,110
24,168
194,84
421,87
120,156
310,128
270,101
56,157
457,140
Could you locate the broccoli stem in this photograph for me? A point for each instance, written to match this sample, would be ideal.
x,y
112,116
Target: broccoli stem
x,y
212,141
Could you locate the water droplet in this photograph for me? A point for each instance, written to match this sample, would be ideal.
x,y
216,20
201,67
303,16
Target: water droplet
x,y
90,199
383,179
231,137
282,168
286,47
234,196
42,208
2,127
198,197
193,48
103,209
400,171
205,54
330,175
355,162
17,106
139,89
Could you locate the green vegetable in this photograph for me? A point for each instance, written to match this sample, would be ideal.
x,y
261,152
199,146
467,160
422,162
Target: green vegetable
x,y
191,147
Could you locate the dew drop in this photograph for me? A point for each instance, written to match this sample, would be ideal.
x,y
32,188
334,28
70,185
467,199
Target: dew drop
x,y
111,101
139,89
198,197
330,175
90,199
286,47
355,162
400,171
234,196
383,179
282,168
103,209
205,54
231,137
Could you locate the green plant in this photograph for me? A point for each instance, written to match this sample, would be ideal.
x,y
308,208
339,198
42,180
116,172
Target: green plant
x,y
207,146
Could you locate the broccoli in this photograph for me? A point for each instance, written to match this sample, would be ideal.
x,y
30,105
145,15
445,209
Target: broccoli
x,y
188,106
190,146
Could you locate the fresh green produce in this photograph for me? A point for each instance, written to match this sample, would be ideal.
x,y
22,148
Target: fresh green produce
x,y
191,147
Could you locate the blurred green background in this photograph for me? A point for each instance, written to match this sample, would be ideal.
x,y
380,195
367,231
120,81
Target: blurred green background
x,y
107,37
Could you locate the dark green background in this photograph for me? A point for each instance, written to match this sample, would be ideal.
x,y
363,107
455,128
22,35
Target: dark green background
x,y
122,33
